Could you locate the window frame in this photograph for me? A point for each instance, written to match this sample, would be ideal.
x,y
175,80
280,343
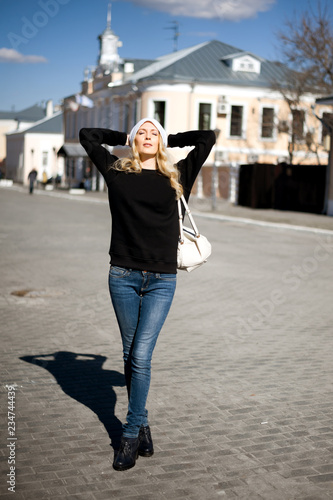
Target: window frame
x,y
243,123
274,123
156,114
297,139
45,159
151,109
213,114
201,118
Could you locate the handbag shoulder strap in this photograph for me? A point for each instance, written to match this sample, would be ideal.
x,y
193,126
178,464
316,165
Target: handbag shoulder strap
x,y
188,211
180,218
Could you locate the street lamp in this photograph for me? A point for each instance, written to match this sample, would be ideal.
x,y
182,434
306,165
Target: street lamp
x,y
214,172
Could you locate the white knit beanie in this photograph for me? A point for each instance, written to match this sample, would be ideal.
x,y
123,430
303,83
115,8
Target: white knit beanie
x,y
154,122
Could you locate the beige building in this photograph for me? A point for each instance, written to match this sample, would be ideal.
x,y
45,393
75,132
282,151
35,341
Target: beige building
x,y
209,86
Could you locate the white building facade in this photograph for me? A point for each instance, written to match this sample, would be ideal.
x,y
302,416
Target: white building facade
x,y
36,147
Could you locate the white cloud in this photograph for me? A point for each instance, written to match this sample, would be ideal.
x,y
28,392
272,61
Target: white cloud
x,y
226,10
12,56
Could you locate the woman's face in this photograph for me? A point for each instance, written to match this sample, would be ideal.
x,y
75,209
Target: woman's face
x,y
147,139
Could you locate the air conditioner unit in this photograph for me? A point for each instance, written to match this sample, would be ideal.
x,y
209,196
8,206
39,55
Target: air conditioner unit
x,y
282,159
223,106
221,156
252,158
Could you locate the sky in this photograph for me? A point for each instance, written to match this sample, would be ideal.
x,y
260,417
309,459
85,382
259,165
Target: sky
x,y
45,45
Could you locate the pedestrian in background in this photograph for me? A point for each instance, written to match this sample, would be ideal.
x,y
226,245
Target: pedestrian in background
x,y
44,177
143,190
32,178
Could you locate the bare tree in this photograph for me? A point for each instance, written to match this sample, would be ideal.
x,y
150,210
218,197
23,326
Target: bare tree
x,y
306,47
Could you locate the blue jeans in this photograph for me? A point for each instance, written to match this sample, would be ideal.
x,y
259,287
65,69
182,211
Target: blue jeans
x,y
141,300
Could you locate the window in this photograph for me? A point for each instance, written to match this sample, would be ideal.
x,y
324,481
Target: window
x,y
328,119
72,133
246,66
67,125
115,115
44,158
205,112
159,112
236,121
246,63
135,106
298,124
267,124
70,169
126,118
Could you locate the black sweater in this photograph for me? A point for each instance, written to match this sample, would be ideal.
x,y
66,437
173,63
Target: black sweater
x,y
143,206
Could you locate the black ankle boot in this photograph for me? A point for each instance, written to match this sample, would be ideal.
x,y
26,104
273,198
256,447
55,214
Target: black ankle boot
x,y
146,448
127,454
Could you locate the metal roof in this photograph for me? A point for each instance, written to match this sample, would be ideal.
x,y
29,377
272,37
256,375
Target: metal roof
x,y
49,125
139,63
242,53
205,63
163,62
31,114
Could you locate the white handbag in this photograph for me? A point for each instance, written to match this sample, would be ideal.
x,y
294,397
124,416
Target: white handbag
x,y
193,248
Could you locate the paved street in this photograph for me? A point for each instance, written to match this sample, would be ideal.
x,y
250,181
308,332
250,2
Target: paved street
x,y
241,399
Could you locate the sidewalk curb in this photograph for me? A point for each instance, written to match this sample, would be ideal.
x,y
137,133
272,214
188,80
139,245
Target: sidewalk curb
x,y
255,222
210,216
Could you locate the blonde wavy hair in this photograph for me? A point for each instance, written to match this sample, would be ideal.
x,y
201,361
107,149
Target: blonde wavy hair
x,y
164,165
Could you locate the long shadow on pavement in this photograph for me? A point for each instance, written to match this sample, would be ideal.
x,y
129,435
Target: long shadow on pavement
x,y
82,377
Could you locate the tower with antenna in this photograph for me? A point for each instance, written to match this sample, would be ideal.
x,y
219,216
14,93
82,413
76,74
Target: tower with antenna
x,y
175,29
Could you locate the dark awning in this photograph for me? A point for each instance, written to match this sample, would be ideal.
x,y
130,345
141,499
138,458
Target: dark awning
x,y
72,150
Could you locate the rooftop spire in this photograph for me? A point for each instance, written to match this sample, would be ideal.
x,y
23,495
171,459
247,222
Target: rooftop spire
x,y
109,59
108,20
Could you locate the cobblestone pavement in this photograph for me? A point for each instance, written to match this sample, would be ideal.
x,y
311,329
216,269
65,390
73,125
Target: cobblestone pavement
x,y
241,398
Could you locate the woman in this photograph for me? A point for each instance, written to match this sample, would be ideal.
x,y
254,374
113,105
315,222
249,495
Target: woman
x,y
142,279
